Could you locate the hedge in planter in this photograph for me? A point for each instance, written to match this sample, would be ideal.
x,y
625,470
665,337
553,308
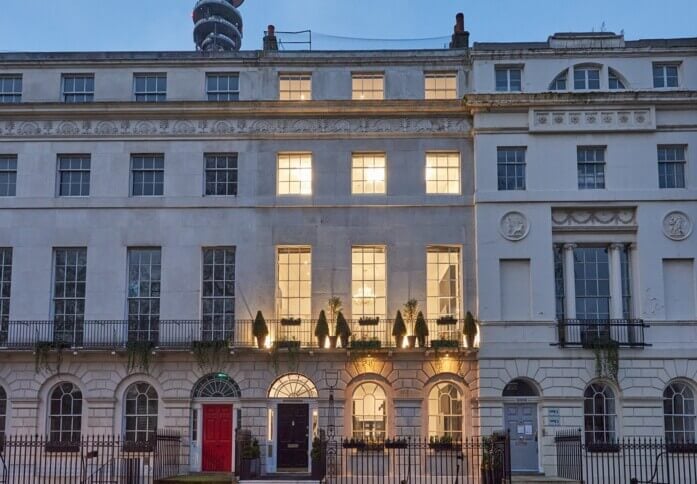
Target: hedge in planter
x,y
443,343
399,330
421,329
366,344
260,330
322,330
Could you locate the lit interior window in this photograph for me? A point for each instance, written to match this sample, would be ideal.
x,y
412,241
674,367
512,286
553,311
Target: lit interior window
x,y
295,87
295,174
368,174
441,86
294,285
443,173
368,86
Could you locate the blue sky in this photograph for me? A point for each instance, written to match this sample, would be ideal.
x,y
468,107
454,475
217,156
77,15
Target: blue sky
x,y
69,25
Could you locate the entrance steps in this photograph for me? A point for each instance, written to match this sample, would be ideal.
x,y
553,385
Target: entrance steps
x,y
200,479
540,479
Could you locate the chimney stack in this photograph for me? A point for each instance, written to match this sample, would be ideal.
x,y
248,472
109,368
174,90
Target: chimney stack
x,y
461,38
270,41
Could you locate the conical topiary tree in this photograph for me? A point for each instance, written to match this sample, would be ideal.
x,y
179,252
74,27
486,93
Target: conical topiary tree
x,y
470,330
421,329
343,331
399,330
322,330
260,330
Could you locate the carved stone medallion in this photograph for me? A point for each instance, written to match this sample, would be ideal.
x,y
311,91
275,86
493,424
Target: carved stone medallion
x,y
514,226
677,225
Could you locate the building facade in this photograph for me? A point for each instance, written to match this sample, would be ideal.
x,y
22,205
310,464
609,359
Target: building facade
x,y
154,203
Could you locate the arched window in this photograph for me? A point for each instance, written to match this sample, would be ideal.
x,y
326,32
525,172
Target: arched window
x,y
140,415
679,413
216,386
65,413
445,411
3,413
599,414
559,82
293,385
369,412
614,80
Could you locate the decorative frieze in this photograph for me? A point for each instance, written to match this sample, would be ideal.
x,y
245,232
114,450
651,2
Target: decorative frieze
x,y
643,119
231,127
595,219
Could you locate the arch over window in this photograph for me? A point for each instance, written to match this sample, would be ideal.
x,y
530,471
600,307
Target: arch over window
x,y
65,413
615,80
679,413
559,82
3,413
140,413
445,411
369,412
599,414
520,388
293,385
216,386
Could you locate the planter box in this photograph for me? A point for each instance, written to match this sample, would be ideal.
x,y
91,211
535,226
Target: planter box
x,y
446,321
287,345
396,444
443,446
443,343
291,322
366,345
369,321
595,336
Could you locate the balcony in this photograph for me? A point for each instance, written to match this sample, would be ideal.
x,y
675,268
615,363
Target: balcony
x,y
590,333
179,334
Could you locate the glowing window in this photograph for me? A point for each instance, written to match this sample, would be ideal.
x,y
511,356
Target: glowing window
x,y
368,86
443,282
368,174
440,85
368,282
445,411
295,87
443,173
369,412
293,385
216,386
295,174
294,284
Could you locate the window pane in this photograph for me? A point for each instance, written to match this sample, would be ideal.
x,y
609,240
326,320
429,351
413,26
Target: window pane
x,y
443,173
294,175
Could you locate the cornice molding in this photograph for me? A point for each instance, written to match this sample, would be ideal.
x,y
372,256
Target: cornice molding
x,y
592,100
225,127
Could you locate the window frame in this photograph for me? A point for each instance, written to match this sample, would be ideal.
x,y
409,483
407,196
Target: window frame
x,y
457,278
69,325
302,298
302,157
8,174
155,157
375,158
146,95
608,430
511,184
688,435
151,318
359,95
83,174
6,260
679,166
74,416
586,70
217,326
11,97
231,94
563,76
290,77
376,434
508,70
232,172
613,75
440,93
438,418
595,164
664,66
78,97
142,388
360,271
436,180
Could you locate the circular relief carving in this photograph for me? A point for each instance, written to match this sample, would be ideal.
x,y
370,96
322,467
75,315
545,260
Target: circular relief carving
x,y
514,226
677,225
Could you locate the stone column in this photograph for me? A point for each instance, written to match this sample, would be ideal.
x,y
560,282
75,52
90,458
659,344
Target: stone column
x,y
569,282
616,281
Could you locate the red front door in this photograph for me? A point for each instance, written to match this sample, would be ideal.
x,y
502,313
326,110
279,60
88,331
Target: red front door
x,y
217,438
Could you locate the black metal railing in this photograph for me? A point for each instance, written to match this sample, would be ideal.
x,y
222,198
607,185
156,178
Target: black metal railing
x,y
476,460
90,460
589,333
633,460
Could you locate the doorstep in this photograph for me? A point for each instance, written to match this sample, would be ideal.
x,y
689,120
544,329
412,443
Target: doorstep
x,y
540,479
202,478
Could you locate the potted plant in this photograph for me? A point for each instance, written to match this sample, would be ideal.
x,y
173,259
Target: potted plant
x,y
366,344
250,459
421,329
398,443
365,321
410,308
343,331
260,330
318,456
443,343
470,330
444,442
322,330
492,459
353,443
334,305
399,330
447,320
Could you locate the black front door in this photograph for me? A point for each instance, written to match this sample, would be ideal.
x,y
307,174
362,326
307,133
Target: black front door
x,y
293,435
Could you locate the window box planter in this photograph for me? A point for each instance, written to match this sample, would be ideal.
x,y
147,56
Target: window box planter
x,y
396,444
366,344
353,444
682,448
608,447
291,322
443,446
446,321
368,321
139,447
444,343
287,345
66,447
596,336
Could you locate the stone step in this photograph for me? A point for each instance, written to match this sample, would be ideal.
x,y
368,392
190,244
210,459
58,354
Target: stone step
x,y
200,479
277,481
539,479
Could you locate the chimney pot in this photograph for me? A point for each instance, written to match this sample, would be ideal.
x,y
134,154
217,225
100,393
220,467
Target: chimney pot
x,y
461,38
270,41
272,30
460,22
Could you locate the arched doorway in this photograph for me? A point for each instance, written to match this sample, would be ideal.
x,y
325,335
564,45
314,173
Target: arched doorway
x,y
213,400
521,420
293,421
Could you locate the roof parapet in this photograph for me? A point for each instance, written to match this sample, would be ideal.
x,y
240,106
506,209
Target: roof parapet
x,y
585,40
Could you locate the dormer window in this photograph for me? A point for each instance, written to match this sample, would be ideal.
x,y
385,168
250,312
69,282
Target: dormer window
x,y
614,81
586,78
559,83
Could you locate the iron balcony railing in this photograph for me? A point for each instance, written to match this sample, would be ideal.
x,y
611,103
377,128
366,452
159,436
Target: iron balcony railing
x,y
591,333
180,334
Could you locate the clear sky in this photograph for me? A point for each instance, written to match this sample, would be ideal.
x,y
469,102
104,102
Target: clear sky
x,y
73,25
